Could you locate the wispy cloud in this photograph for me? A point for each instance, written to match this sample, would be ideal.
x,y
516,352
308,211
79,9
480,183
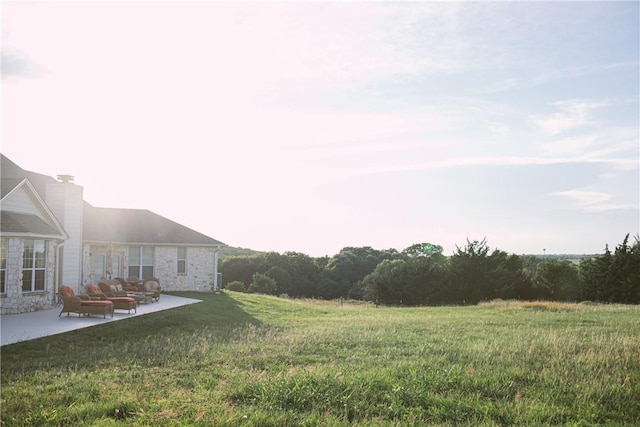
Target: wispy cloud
x,y
497,128
572,114
584,70
17,66
498,161
615,140
593,201
585,197
547,77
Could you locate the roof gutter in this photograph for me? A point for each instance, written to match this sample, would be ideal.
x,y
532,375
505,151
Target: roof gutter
x,y
58,271
189,245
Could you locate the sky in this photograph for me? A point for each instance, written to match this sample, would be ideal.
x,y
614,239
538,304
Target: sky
x,y
314,126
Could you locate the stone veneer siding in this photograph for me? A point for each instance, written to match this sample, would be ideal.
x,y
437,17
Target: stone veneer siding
x,y
86,266
200,269
15,301
88,250
199,276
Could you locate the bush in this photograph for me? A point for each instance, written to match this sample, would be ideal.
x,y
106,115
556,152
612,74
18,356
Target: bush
x,y
237,286
262,284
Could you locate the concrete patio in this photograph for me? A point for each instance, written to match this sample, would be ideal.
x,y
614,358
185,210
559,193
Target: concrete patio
x,y
27,326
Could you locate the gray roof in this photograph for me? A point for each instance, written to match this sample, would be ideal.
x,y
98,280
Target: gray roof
x,y
138,226
105,224
12,175
19,223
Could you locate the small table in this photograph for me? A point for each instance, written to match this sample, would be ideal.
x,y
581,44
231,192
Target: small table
x,y
145,297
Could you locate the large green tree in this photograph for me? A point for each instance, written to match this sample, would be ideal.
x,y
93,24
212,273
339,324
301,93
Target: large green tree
x,y
556,280
478,273
417,277
344,272
613,277
470,273
241,268
297,274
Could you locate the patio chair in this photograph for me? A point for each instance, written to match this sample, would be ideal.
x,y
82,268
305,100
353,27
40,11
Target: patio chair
x,y
127,285
151,284
83,304
113,288
119,303
133,281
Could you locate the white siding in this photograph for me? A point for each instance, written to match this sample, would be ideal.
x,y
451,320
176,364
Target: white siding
x,y
21,201
65,200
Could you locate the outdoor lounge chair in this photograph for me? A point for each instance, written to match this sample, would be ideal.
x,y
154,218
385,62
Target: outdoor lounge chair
x,y
113,288
83,304
133,281
128,286
151,284
119,303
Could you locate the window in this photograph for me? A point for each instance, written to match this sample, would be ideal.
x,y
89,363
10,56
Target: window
x,y
115,265
182,260
3,265
33,265
141,261
98,267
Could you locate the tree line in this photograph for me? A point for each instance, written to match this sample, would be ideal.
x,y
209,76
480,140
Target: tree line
x,y
422,275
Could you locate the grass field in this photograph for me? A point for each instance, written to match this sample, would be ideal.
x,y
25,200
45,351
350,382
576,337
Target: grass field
x,y
249,360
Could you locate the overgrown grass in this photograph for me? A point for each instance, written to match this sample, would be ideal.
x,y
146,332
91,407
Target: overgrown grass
x,y
239,359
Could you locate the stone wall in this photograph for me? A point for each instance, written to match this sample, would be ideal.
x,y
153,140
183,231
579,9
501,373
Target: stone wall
x,y
200,269
15,301
199,277
88,251
87,267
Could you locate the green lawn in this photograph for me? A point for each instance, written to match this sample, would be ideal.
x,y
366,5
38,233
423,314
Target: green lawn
x,y
239,359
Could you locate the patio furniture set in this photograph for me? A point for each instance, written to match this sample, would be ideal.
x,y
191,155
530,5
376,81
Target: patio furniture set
x,y
109,295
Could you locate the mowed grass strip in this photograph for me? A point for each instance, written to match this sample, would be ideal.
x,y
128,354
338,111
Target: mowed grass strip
x,y
239,359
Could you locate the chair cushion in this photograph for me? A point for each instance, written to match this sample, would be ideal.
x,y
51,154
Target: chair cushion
x,y
94,289
96,303
121,299
66,291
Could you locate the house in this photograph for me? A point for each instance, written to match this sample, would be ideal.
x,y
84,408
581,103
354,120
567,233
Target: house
x,y
49,236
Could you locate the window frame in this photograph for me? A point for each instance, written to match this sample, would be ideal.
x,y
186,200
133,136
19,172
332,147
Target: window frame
x,y
34,267
4,248
98,267
141,257
182,261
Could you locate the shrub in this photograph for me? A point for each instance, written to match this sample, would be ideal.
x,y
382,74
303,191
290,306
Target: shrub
x,y
262,284
237,286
